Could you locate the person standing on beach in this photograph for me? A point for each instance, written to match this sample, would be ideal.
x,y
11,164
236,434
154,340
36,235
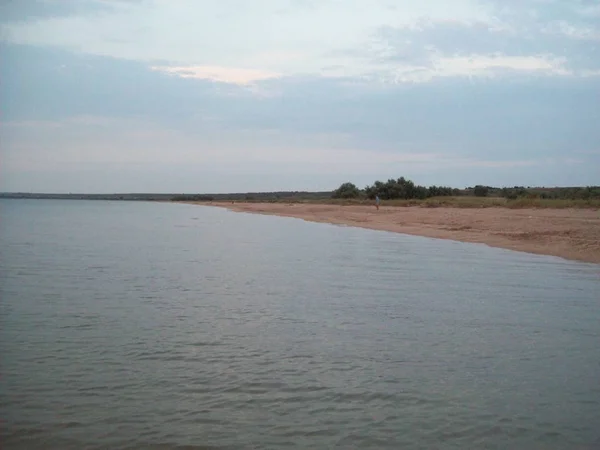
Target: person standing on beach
x,y
377,202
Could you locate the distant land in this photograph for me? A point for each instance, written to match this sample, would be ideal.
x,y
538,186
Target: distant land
x,y
346,192
560,221
265,196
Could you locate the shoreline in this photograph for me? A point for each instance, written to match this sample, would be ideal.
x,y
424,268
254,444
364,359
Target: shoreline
x,y
572,234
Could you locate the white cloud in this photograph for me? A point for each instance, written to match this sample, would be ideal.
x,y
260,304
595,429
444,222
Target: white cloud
x,y
471,66
580,32
329,63
488,64
233,42
231,75
474,65
274,36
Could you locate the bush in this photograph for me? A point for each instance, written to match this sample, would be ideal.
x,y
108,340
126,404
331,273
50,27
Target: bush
x,y
346,190
481,191
403,189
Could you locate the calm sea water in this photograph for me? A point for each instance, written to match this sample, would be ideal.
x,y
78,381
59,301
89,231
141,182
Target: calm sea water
x,y
159,326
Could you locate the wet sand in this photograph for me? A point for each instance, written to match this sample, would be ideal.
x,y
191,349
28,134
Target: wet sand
x,y
568,233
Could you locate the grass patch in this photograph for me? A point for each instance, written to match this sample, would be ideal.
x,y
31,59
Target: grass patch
x,y
553,203
446,202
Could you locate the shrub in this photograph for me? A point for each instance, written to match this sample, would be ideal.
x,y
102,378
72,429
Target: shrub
x,y
481,191
346,190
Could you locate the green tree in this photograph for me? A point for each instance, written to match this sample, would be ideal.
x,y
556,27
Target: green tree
x,y
346,190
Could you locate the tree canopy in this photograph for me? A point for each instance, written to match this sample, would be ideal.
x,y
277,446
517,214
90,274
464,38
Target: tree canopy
x,y
346,190
393,189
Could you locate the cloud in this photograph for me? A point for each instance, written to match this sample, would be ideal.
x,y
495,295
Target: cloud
x,y
590,10
487,64
28,10
477,66
371,42
578,33
454,112
431,49
231,75
46,83
104,154
86,143
282,93
89,143
232,34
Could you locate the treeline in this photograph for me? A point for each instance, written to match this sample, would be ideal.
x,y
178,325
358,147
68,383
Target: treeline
x,y
572,193
515,192
253,196
393,189
192,198
111,197
404,189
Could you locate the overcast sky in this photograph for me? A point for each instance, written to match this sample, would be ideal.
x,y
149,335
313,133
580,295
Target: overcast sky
x,y
247,95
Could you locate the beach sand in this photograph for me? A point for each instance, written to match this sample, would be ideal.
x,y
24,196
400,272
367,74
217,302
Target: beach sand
x,y
568,233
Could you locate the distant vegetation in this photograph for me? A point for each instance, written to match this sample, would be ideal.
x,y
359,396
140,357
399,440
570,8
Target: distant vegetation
x,y
404,192
192,198
403,189
568,193
392,190
395,192
112,197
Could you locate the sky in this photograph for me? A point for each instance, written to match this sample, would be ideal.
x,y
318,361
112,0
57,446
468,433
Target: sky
x,y
185,96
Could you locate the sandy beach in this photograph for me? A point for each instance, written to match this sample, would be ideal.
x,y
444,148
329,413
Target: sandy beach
x,y
568,233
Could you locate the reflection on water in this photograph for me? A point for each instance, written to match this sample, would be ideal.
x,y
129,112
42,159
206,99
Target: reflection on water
x,y
140,325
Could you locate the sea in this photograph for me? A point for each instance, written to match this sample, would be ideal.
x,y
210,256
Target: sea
x,y
141,325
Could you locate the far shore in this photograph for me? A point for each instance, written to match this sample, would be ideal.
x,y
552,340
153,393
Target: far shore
x,y
568,233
